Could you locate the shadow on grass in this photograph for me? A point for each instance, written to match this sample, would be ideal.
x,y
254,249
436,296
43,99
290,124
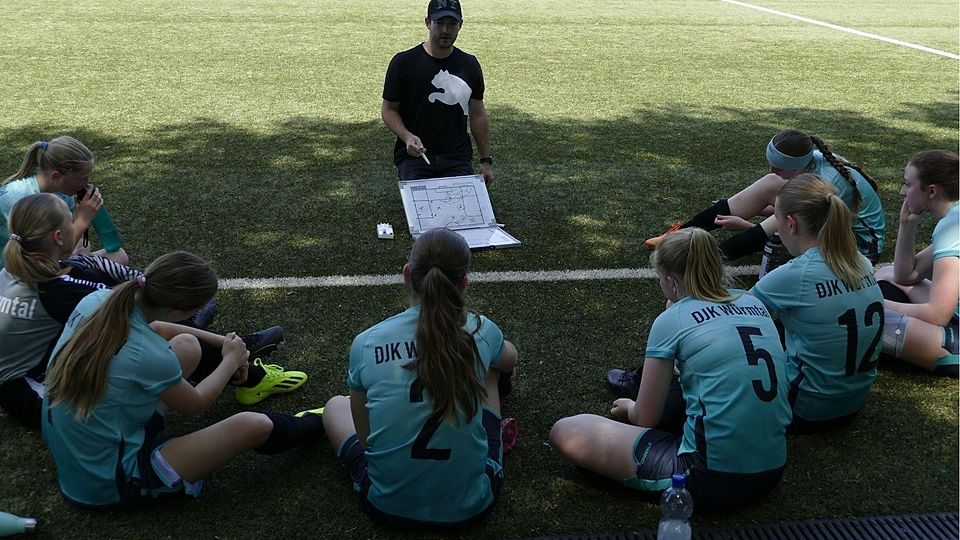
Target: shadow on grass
x,y
568,335
304,197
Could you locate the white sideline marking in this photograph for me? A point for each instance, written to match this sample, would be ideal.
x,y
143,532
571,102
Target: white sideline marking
x,y
475,277
845,29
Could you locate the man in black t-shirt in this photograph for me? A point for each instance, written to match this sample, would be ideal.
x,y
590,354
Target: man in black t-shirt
x,y
429,94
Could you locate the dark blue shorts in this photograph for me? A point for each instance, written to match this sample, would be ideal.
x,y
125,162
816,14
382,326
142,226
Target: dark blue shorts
x,y
354,458
655,455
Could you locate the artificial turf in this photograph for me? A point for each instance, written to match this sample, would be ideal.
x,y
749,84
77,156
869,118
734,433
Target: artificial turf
x,y
249,133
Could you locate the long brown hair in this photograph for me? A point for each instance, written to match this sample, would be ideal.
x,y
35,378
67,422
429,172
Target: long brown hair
x,y
938,167
797,143
693,255
62,154
34,218
821,212
78,376
447,362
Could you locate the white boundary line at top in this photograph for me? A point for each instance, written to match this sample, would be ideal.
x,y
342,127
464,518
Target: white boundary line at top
x,y
845,29
475,277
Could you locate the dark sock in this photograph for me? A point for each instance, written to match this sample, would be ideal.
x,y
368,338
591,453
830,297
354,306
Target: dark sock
x,y
210,358
255,374
290,432
504,384
744,243
705,219
892,292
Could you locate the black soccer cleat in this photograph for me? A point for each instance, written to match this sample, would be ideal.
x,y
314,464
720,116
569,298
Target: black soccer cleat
x,y
262,344
203,318
624,383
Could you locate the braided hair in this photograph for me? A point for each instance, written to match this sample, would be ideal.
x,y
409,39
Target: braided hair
x,y
797,143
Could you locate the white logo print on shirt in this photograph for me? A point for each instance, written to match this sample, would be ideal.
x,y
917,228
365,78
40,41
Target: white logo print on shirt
x,y
455,90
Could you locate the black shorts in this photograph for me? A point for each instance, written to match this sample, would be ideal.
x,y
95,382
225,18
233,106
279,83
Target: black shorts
x,y
21,402
802,426
656,457
415,168
354,458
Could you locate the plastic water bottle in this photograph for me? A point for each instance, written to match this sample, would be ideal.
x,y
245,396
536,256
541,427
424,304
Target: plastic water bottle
x,y
11,524
774,255
107,230
676,507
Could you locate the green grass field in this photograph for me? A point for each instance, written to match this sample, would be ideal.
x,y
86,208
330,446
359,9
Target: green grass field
x,y
248,132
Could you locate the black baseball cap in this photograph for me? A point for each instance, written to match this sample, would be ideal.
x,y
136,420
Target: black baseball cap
x,y
437,9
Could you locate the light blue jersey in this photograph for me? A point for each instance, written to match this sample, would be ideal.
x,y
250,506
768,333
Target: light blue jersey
x,y
12,192
419,469
734,382
869,224
91,454
946,238
832,330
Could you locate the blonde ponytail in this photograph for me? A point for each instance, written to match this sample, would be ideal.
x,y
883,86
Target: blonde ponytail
x,y
33,219
62,154
822,213
693,255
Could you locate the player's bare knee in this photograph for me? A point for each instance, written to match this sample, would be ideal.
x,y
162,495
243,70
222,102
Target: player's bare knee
x,y
337,402
255,426
120,257
187,349
885,274
771,184
563,431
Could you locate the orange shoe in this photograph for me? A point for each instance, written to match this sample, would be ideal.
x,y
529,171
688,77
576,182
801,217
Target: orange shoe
x,y
652,243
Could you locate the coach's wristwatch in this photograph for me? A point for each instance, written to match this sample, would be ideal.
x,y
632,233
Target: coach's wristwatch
x,y
488,159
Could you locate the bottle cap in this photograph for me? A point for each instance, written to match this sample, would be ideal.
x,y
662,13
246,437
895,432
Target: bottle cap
x,y
679,480
29,525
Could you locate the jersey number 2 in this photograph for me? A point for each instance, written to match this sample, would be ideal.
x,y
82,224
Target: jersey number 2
x,y
419,449
849,319
754,356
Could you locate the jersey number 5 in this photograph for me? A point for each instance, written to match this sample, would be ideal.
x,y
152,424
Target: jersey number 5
x,y
419,449
754,356
849,319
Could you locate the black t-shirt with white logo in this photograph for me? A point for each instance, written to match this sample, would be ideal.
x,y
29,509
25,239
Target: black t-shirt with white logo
x,y
434,96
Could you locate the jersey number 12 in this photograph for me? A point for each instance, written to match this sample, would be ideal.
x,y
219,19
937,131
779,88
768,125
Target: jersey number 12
x,y
849,319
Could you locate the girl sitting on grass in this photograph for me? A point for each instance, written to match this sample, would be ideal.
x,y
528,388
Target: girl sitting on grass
x,y
829,303
421,430
730,399
790,153
112,376
922,290
63,166
39,290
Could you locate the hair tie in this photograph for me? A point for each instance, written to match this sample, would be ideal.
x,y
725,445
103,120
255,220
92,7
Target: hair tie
x,y
142,280
16,238
44,145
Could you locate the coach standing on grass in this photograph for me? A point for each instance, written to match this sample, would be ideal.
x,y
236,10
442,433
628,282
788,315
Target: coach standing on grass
x,y
429,93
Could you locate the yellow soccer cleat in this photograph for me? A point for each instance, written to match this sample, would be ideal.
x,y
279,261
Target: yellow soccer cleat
x,y
276,381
